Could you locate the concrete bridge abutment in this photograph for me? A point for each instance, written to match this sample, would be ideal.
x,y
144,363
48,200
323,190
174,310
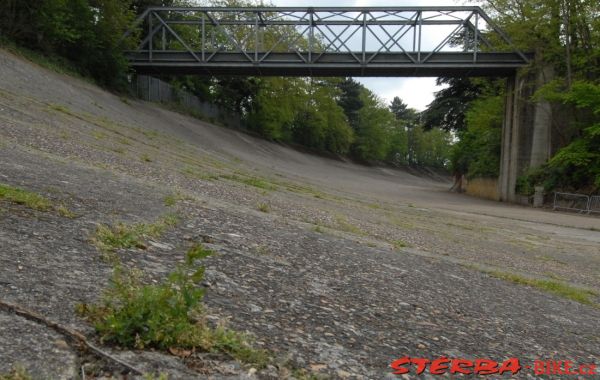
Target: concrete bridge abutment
x,y
526,130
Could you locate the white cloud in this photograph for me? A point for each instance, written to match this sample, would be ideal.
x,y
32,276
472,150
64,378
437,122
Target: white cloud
x,y
416,92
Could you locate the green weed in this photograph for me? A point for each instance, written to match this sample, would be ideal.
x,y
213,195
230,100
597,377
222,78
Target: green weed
x,y
125,236
191,173
165,316
65,212
145,158
262,250
263,207
17,373
172,199
251,181
124,141
61,109
26,198
399,244
344,225
558,288
150,134
99,135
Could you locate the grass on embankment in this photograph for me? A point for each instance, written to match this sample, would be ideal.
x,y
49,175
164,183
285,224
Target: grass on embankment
x,y
32,200
558,288
51,62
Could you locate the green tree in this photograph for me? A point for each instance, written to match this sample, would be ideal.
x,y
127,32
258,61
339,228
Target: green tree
x,y
399,109
447,111
87,33
374,124
351,100
275,107
477,154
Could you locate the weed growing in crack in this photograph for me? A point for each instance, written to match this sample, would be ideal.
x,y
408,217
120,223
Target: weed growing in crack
x,y
251,181
190,172
345,226
262,250
399,244
32,200
124,236
165,316
60,108
17,373
172,199
65,212
263,207
319,229
145,158
26,198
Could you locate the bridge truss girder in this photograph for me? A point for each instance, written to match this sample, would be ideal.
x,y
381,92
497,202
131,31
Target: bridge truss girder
x,y
390,41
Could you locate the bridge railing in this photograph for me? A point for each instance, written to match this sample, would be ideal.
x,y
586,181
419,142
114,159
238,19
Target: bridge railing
x,y
358,36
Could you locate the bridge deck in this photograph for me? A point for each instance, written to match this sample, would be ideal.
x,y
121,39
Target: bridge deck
x,y
329,64
394,41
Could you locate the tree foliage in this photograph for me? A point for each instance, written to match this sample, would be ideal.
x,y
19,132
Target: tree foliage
x,y
86,32
565,35
339,116
577,165
447,111
477,154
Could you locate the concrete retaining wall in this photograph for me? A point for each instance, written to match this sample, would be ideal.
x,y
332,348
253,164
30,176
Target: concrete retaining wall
x,y
483,188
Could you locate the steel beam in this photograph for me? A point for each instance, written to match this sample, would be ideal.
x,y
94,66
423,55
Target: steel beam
x,y
324,41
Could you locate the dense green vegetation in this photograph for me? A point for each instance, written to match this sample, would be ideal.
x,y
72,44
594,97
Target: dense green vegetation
x,y
565,35
85,33
575,167
338,116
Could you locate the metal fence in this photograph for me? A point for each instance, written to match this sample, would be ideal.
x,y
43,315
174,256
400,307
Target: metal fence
x,y
155,90
594,204
577,202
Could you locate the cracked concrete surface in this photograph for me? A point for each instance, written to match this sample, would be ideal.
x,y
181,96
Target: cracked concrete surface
x,y
351,268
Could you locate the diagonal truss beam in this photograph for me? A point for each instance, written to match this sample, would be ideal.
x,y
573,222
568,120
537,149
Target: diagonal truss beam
x,y
323,39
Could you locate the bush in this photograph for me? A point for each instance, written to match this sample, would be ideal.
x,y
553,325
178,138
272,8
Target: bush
x,y
166,316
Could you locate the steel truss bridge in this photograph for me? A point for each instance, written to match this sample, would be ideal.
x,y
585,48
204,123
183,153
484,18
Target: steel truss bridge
x,y
365,41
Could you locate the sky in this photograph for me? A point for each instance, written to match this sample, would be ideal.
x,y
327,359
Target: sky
x,y
416,92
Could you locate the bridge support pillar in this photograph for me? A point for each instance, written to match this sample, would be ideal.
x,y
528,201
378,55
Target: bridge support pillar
x,y
510,137
541,142
526,131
